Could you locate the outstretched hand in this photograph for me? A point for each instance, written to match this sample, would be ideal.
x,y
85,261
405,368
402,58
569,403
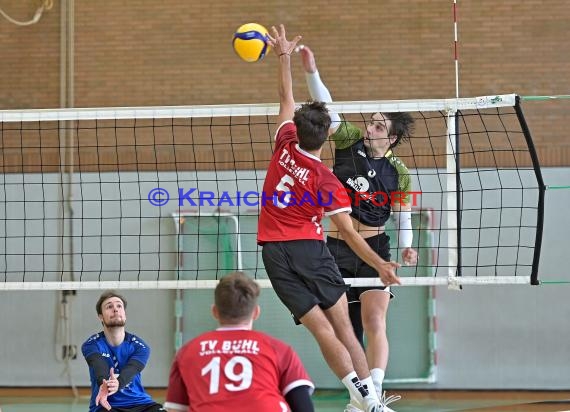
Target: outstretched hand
x,y
307,58
279,43
113,383
388,275
101,398
107,388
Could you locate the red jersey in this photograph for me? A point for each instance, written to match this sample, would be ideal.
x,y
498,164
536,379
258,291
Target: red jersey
x,y
298,191
238,370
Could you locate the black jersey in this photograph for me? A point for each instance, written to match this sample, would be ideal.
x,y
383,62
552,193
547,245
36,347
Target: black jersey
x,y
372,183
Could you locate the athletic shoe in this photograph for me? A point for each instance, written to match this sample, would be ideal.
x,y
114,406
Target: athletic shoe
x,y
385,401
372,405
351,408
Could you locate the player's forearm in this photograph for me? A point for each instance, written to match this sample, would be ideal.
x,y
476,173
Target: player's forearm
x,y
100,367
299,399
317,88
129,371
403,220
319,92
285,78
286,100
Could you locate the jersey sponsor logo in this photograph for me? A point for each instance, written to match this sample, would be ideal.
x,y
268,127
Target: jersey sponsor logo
x,y
360,183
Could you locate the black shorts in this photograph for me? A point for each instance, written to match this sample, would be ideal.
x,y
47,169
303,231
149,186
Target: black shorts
x,y
351,266
303,274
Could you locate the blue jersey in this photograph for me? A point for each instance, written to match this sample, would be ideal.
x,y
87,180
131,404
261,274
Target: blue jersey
x,y
117,357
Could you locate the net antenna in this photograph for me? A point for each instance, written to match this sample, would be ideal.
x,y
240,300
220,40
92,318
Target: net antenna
x,y
153,184
453,167
455,48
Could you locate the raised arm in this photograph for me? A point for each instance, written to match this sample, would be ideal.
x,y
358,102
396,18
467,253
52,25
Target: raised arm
x,y
343,134
317,88
283,49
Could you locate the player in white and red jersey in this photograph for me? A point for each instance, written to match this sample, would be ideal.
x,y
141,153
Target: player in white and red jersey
x,y
235,368
298,191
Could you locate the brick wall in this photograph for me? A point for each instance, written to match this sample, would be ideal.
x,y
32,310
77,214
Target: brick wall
x,y
173,52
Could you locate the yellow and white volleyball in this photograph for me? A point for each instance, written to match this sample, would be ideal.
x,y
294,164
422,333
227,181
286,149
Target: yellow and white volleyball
x,y
250,42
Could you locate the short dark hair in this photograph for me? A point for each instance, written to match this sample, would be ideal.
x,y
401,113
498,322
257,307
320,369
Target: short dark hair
x,y
236,296
402,127
313,123
106,295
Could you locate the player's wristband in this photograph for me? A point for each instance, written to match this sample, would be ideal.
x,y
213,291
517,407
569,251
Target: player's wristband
x,y
404,224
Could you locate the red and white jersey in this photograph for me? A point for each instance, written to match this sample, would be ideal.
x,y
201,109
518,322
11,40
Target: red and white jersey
x,y
298,191
238,370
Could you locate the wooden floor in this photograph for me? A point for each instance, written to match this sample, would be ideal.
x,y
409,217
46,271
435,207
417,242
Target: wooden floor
x,y
62,399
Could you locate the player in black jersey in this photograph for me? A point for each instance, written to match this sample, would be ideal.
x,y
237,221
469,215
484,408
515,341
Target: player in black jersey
x,y
378,183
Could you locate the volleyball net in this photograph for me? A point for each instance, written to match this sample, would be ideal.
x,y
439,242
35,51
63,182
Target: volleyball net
x,y
168,197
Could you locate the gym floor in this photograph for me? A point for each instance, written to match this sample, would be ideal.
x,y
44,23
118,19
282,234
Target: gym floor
x,y
62,400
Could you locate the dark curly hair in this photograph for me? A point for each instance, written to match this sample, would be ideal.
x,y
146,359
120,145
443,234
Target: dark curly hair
x,y
403,125
313,122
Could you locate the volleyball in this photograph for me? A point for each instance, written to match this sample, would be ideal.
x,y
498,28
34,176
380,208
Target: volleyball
x,y
250,42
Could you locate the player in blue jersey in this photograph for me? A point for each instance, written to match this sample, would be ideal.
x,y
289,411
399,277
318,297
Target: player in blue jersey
x,y
116,359
377,183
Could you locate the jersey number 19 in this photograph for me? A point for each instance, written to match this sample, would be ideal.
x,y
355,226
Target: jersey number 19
x,y
239,380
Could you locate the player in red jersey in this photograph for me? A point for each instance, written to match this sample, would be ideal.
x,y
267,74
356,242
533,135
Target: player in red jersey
x,y
298,191
236,368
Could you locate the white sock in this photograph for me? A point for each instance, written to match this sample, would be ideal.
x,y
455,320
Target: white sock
x,y
368,383
354,386
377,375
